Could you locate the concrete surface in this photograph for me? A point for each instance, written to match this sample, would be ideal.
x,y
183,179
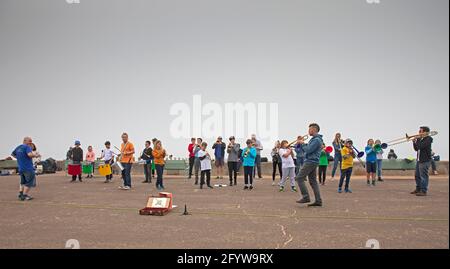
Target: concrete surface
x,y
100,215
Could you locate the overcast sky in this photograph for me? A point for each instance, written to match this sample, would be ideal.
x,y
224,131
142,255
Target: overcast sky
x,y
92,70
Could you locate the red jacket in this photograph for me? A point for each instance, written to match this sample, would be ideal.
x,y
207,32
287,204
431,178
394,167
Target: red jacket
x,y
191,150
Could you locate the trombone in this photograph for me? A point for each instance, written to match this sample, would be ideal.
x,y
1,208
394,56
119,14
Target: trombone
x,y
359,155
405,139
305,137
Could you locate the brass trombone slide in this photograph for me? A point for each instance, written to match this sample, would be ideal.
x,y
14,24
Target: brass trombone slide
x,y
305,137
407,138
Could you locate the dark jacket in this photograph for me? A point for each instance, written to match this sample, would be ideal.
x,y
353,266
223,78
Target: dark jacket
x,y
77,155
423,148
219,150
147,154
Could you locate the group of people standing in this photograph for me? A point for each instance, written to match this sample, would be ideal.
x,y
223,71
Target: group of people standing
x,y
310,158
153,159
249,157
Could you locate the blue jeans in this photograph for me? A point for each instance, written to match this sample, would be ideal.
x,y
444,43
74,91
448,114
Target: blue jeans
x,y
28,179
345,174
257,166
337,161
379,168
126,174
299,164
159,175
433,165
148,171
422,176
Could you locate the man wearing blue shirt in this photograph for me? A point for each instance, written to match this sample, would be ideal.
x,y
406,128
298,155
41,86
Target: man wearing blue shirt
x,y
24,156
219,154
312,152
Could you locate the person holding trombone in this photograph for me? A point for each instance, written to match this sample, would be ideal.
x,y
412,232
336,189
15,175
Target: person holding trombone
x,y
309,168
422,145
371,162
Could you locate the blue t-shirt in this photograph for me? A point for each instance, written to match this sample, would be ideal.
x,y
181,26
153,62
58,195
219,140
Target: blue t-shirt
x,y
24,162
371,155
219,150
251,156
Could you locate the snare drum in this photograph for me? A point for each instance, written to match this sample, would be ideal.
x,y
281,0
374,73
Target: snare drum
x,y
119,165
74,169
104,169
87,168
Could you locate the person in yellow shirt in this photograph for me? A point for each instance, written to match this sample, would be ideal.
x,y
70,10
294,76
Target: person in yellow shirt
x,y
126,159
348,155
159,153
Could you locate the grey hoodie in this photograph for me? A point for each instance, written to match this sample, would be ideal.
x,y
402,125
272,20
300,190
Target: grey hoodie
x,y
233,153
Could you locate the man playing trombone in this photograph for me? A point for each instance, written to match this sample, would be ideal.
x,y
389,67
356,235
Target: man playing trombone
x,y
309,169
422,144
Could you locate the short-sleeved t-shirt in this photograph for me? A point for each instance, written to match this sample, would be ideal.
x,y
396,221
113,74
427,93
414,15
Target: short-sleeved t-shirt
x,y
107,154
24,162
346,163
127,148
205,164
286,162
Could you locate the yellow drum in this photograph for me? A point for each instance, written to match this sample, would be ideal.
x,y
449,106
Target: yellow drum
x,y
104,170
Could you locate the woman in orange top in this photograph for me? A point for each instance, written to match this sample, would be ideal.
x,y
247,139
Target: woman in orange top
x,y
126,159
159,154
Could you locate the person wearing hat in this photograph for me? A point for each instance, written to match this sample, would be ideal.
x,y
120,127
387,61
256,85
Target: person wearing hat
x,y
233,149
348,154
77,158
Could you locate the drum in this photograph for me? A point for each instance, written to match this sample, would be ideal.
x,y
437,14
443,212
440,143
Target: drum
x,y
74,169
87,168
104,169
119,165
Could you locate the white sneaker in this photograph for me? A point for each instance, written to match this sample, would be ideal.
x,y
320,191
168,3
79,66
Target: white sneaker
x,y
126,188
273,183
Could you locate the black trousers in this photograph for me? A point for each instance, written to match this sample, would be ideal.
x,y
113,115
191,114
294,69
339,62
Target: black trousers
x,y
322,173
207,174
75,177
191,165
148,172
248,175
274,170
232,170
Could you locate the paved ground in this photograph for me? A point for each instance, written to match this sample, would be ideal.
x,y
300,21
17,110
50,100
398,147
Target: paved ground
x,y
99,215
